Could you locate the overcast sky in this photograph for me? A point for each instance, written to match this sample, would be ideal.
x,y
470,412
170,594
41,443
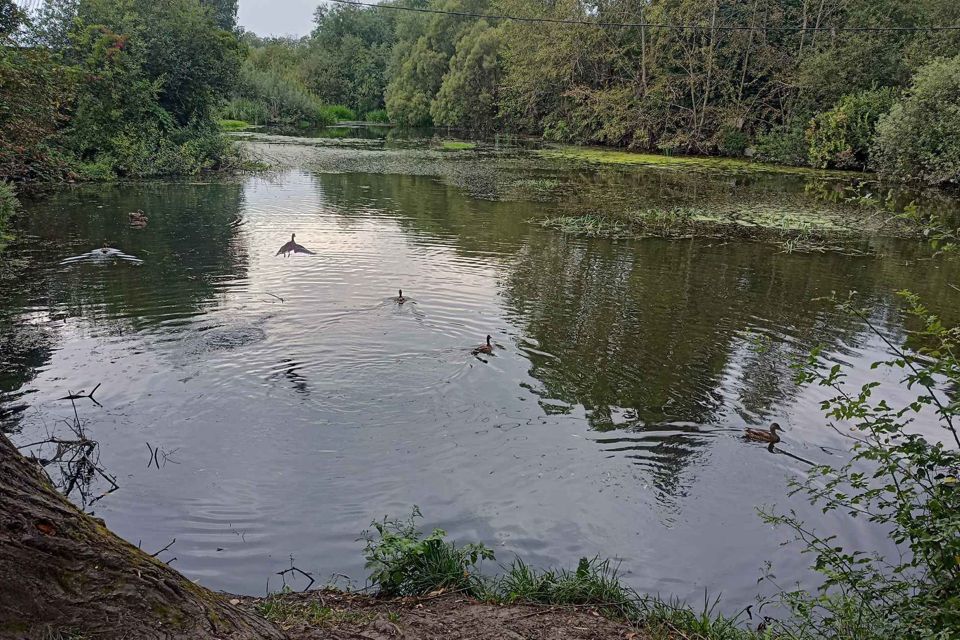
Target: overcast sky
x,y
277,17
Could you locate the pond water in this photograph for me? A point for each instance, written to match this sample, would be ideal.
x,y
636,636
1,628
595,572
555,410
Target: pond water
x,y
292,400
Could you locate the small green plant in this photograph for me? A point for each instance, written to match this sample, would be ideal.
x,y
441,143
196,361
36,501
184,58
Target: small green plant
x,y
595,582
896,479
403,561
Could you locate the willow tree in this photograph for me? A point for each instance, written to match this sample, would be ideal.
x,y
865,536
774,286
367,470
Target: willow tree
x,y
64,574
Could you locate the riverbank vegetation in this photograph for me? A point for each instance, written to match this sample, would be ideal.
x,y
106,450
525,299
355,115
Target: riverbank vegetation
x,y
99,89
848,85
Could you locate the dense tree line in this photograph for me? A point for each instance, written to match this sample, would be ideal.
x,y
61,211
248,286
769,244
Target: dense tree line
x,y
815,95
103,88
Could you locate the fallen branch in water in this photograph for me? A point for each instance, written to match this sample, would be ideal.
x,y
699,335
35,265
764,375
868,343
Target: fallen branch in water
x,y
80,395
293,569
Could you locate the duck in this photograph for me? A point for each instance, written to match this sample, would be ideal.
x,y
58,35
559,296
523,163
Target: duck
x,y
400,299
137,217
293,247
759,435
104,249
484,348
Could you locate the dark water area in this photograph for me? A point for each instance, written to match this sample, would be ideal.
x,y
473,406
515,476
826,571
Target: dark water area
x,y
295,401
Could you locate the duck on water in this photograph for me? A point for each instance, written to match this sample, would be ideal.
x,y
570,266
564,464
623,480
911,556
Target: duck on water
x,y
293,247
760,435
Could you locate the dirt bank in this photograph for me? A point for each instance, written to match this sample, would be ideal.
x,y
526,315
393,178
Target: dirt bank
x,y
335,615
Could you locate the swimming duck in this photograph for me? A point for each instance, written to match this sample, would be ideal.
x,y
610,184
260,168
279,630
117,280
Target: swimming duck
x,y
759,435
137,216
484,348
293,247
400,299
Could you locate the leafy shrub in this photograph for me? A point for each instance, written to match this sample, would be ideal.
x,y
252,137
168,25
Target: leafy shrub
x,y
377,115
842,136
732,142
280,99
920,138
405,562
785,144
339,113
896,479
246,110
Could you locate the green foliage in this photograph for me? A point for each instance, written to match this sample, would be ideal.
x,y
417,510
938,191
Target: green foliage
x,y
920,138
34,90
896,479
378,116
404,562
233,125
842,136
468,94
457,145
784,144
340,113
272,97
116,88
594,582
8,204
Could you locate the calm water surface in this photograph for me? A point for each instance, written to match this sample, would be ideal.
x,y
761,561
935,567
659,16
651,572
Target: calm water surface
x,y
296,401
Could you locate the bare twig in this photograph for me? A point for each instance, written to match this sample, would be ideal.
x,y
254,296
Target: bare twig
x,y
294,569
170,544
80,394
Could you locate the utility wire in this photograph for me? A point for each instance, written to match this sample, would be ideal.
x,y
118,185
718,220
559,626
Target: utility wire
x,y
645,25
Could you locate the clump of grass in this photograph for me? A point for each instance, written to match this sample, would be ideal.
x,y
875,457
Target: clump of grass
x,y
378,116
234,125
456,145
338,113
286,613
403,561
668,620
595,582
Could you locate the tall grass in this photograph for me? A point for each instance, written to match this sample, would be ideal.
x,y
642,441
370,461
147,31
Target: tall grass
x,y
269,97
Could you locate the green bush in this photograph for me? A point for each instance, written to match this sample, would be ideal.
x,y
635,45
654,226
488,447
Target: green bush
x,y
275,98
378,116
785,144
842,136
339,113
404,562
732,141
896,479
920,138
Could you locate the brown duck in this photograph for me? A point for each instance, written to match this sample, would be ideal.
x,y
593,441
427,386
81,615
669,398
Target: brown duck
x,y
484,348
400,299
759,435
293,247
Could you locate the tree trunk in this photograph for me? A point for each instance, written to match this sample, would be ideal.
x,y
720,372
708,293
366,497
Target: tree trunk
x,y
63,573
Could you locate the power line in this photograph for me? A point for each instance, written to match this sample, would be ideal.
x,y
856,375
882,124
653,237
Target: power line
x,y
637,25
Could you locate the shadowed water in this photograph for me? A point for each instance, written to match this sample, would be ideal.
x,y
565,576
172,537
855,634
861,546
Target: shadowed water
x,y
293,400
